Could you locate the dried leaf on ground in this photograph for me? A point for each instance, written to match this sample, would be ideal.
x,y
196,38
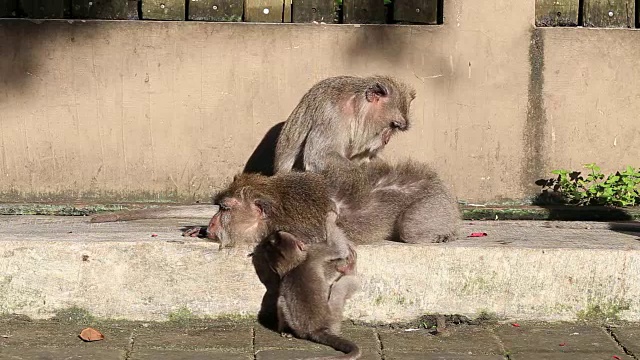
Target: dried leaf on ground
x,y
478,234
90,334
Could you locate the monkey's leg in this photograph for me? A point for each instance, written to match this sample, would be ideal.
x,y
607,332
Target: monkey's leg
x,y
433,219
339,292
282,320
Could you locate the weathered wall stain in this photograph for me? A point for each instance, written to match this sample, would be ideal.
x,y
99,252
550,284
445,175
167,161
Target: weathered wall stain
x,y
535,124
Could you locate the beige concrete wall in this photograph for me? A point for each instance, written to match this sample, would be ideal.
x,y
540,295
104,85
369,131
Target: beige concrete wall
x,y
171,110
592,98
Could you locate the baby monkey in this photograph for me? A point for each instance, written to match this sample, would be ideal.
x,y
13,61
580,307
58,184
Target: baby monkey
x,y
315,282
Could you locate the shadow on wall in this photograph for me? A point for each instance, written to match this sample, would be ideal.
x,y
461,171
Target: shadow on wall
x,y
372,41
19,41
22,43
262,159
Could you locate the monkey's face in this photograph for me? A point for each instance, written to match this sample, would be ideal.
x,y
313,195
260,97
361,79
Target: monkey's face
x,y
393,112
390,104
283,252
238,221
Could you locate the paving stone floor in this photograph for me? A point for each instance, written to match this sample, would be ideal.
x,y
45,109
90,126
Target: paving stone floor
x,y
245,339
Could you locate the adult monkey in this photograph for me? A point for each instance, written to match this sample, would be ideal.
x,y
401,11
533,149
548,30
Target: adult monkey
x,y
340,119
343,118
376,201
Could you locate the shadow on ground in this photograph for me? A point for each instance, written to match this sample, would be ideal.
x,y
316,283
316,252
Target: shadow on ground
x,y
621,220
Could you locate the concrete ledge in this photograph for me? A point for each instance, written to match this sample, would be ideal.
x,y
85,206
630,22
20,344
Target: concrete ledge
x,y
524,270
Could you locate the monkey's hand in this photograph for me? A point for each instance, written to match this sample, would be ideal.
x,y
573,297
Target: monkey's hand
x,y
199,231
349,267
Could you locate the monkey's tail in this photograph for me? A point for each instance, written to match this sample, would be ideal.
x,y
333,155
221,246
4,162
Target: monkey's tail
x,y
349,348
183,211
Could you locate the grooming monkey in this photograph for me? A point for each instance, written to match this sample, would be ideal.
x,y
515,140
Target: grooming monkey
x,y
376,201
315,281
345,118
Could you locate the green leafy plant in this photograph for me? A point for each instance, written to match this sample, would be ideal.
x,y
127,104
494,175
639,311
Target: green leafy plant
x,y
596,188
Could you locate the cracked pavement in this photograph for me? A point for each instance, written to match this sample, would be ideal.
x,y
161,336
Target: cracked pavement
x,y
246,339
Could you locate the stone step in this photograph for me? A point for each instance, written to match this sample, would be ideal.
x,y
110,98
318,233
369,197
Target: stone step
x,y
145,270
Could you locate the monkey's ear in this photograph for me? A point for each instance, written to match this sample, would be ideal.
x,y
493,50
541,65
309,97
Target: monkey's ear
x,y
375,92
264,207
291,238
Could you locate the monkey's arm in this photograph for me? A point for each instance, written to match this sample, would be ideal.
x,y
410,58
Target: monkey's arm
x,y
323,145
318,163
337,246
348,266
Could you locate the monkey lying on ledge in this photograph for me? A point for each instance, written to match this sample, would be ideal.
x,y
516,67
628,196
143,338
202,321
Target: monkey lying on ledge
x,y
312,283
344,119
376,201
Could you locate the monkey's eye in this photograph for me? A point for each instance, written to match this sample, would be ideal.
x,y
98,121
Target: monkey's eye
x,y
224,207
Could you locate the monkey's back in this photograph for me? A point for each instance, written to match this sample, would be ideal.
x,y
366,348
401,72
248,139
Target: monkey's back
x,y
303,206
373,195
305,292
